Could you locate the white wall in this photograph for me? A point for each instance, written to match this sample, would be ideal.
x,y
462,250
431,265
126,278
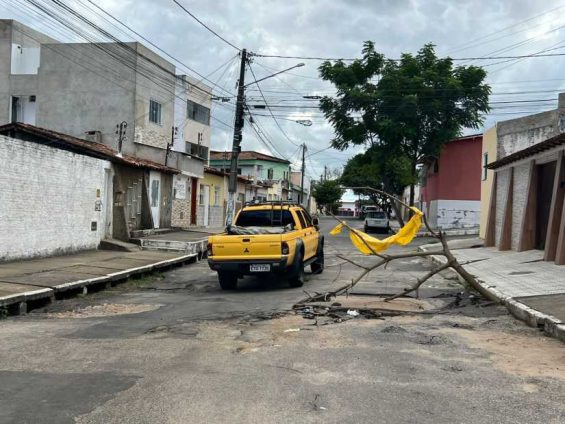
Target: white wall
x,y
47,200
450,214
25,60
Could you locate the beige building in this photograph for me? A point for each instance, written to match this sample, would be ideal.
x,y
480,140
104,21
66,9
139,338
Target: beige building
x,y
489,155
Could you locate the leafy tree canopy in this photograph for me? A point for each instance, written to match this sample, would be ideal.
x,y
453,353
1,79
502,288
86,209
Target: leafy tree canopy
x,y
409,107
327,193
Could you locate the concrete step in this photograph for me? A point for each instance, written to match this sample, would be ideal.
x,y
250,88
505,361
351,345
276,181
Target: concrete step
x,y
118,245
188,247
150,232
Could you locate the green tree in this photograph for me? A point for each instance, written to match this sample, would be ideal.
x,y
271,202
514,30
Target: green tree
x,y
411,106
328,194
374,168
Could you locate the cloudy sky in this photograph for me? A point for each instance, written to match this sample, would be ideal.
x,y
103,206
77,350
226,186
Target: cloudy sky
x,y
336,28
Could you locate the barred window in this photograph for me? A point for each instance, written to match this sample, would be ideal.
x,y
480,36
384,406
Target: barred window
x,y
155,111
197,112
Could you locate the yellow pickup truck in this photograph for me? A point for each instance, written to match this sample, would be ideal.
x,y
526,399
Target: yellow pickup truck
x,y
267,238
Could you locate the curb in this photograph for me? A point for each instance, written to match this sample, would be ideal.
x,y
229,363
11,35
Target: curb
x,y
552,326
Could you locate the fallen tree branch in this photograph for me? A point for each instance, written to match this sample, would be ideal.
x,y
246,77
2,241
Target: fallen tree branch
x,y
419,282
351,262
451,260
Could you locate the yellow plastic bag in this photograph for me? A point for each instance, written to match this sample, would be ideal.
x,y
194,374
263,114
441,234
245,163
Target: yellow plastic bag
x,y
369,245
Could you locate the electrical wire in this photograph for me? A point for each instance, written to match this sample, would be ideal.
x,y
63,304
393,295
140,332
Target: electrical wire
x,y
156,46
206,26
270,111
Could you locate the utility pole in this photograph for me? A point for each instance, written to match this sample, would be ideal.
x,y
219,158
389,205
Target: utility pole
x,y
236,145
301,198
325,173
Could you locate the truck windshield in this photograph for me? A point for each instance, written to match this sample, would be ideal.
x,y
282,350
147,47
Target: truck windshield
x,y
264,218
376,215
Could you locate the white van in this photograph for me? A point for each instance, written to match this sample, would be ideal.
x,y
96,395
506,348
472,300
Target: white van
x,y
376,220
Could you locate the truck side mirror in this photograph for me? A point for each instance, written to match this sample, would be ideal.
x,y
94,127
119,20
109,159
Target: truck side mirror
x,y
316,223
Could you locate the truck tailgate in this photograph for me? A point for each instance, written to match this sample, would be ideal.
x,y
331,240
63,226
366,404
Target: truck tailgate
x,y
257,246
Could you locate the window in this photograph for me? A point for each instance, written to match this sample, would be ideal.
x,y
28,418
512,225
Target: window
x,y
270,173
197,150
201,197
197,112
265,218
307,218
485,163
301,219
155,111
217,196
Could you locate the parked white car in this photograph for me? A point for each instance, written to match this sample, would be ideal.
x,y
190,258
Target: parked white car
x,y
376,220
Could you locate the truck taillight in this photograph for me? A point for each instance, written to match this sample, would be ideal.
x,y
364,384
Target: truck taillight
x,y
209,249
284,248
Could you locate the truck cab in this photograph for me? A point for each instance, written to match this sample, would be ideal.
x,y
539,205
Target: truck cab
x,y
267,238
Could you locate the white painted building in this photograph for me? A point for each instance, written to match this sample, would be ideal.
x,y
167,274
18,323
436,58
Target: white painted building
x,y
52,201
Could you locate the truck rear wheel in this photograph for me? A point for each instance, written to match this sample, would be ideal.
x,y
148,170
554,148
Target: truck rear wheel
x,y
317,267
228,280
297,277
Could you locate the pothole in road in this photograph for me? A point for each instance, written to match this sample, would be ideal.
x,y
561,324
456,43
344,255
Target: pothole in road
x,y
107,309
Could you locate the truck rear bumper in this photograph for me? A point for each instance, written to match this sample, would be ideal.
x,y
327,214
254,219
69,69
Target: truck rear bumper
x,y
243,266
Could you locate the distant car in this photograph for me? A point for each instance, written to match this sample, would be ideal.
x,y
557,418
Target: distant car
x,y
376,220
366,209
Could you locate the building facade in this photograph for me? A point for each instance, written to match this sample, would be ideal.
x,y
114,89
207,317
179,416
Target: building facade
x,y
61,194
451,184
121,95
489,154
261,169
527,198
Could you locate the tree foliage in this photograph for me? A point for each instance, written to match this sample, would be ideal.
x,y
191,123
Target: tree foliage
x,y
409,108
375,168
328,194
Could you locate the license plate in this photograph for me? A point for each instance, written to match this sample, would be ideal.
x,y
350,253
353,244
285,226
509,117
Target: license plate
x,y
259,268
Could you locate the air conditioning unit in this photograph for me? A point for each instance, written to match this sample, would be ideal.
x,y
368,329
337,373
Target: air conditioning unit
x,y
94,136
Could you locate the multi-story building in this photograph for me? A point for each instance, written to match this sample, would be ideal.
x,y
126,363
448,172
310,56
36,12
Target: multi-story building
x,y
258,167
121,95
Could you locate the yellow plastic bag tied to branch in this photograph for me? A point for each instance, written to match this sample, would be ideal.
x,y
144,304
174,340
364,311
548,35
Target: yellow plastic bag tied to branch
x,y
369,245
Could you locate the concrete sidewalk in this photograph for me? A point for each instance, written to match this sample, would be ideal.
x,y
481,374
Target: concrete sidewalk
x,y
532,289
29,283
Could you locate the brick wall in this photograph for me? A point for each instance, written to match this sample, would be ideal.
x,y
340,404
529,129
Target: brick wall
x,y
502,181
47,200
151,137
519,198
181,213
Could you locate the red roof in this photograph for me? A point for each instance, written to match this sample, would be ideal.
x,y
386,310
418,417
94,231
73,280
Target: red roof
x,y
246,155
77,145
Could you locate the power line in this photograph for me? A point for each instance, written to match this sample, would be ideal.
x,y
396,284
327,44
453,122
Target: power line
x,y
398,60
269,108
206,26
154,45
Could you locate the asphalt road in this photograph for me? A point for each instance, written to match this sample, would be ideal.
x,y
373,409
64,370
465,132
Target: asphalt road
x,y
198,354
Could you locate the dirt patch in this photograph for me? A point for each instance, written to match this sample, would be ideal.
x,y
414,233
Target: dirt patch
x,y
524,355
108,309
